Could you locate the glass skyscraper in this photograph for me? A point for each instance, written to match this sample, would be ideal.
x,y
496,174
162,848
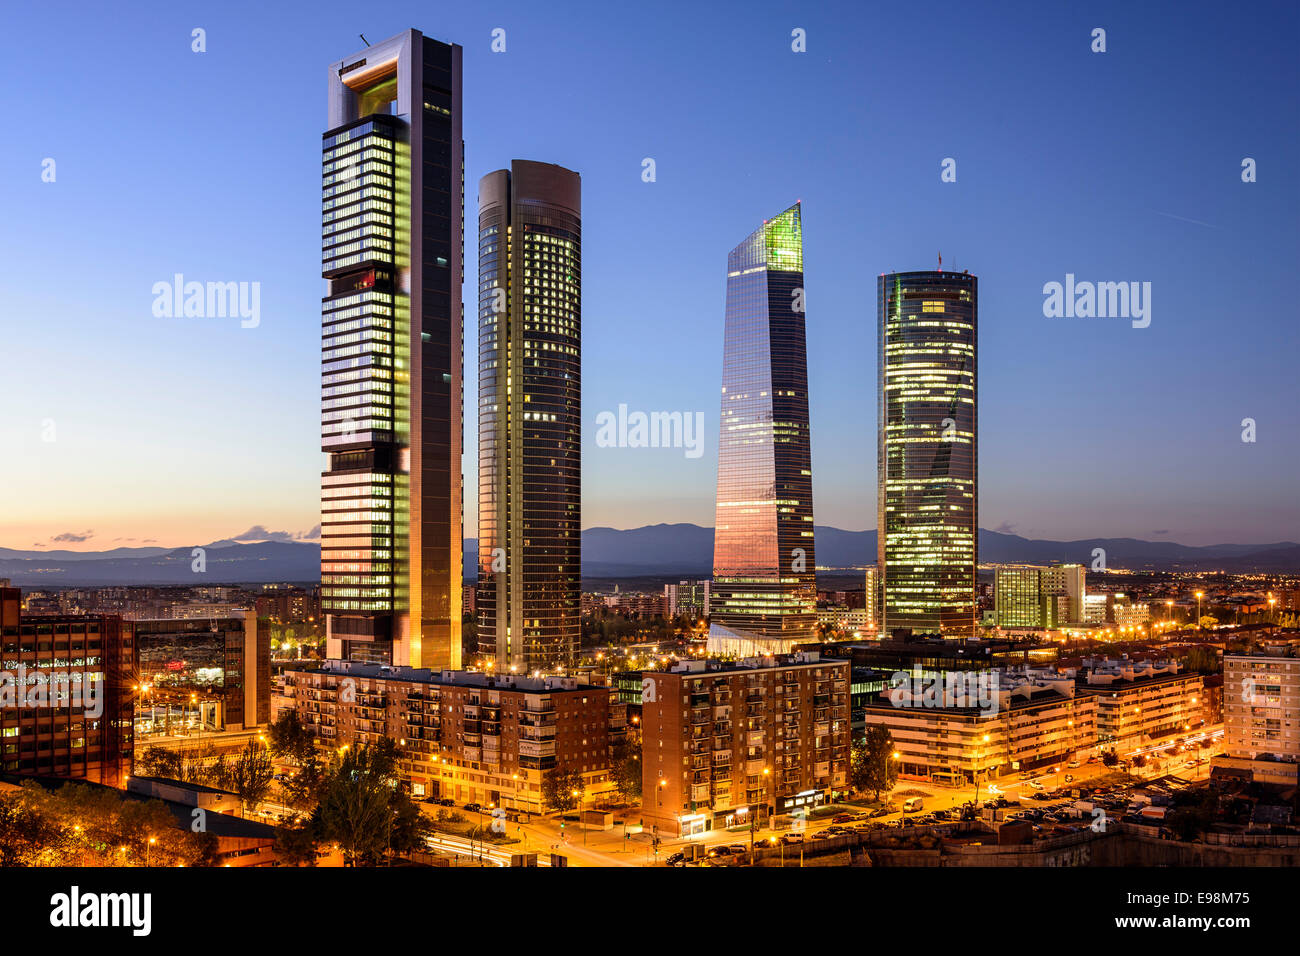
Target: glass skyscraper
x,y
530,416
391,354
764,593
927,503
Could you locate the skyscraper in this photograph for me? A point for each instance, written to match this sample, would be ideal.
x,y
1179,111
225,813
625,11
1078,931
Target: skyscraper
x,y
530,416
392,336
927,503
764,594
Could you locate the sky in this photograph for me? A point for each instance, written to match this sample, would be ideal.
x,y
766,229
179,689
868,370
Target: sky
x,y
122,428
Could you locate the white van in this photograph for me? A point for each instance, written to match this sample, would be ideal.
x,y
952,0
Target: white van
x,y
912,805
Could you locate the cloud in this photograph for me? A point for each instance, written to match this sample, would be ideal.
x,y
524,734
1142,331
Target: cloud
x,y
259,533
1161,531
1006,527
72,537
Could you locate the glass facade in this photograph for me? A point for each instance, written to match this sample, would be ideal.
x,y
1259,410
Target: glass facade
x,y
927,504
763,561
392,335
530,416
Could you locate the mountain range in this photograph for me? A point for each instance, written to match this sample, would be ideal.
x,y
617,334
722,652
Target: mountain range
x,y
663,549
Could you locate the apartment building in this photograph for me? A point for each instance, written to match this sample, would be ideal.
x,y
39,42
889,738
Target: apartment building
x,y
959,727
1140,701
727,742
1261,711
467,736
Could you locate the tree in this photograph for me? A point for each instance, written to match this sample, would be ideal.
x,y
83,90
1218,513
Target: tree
x,y
1207,621
872,765
625,770
291,739
251,774
364,811
562,790
1109,758
297,845
24,831
302,791
161,762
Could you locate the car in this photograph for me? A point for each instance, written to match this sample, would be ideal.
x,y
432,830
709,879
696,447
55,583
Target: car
x,y
913,805
1036,785
738,849
822,835
447,802
879,812
1073,764
717,851
789,838
676,859
844,818
1039,796
474,807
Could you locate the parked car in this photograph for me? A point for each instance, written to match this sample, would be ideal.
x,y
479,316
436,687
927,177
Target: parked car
x,y
473,807
789,838
738,849
879,812
676,859
844,818
717,851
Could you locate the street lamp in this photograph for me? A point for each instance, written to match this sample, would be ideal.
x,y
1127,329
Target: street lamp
x,y
1199,595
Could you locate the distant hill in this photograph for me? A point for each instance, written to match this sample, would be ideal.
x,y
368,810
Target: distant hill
x,y
661,549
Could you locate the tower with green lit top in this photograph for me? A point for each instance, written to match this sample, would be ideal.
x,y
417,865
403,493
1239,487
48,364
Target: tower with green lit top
x,y
764,587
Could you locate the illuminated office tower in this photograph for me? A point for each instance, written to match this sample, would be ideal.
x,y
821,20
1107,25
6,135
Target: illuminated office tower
x,y
392,332
530,416
927,502
1019,599
764,594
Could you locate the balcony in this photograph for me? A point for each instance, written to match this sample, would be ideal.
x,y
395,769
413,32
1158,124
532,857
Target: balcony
x,y
536,748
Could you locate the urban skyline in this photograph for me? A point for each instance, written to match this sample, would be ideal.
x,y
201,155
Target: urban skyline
x,y
456,690
1147,485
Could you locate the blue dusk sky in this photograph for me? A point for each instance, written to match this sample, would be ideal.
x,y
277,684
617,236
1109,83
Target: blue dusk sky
x,y
123,428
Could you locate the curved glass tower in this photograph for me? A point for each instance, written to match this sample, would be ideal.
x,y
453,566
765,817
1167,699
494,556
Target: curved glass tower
x,y
764,594
927,503
530,416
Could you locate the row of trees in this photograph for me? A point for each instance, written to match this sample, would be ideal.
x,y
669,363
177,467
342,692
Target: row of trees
x,y
248,774
78,825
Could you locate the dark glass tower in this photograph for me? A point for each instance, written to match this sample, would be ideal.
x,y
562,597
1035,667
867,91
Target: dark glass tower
x,y
927,503
764,587
530,416
392,334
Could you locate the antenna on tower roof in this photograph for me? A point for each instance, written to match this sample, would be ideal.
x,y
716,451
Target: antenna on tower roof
x,y
941,261
363,39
